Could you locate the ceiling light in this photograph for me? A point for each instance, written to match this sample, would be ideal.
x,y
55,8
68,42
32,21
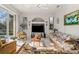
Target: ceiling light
x,y
42,6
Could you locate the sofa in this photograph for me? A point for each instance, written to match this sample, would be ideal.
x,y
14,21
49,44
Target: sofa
x,y
67,42
21,35
8,47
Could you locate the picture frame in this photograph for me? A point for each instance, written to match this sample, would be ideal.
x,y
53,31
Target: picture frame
x,y
25,22
72,18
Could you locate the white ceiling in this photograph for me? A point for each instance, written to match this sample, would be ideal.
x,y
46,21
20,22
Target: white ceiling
x,y
35,8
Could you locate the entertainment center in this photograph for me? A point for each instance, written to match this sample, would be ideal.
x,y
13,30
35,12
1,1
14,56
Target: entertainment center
x,y
39,29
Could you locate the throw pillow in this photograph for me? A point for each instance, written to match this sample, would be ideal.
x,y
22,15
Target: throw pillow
x,y
0,43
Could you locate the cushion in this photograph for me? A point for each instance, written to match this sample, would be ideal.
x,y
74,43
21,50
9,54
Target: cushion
x,y
0,43
3,41
27,47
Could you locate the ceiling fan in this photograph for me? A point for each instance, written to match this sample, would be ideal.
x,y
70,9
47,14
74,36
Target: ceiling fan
x,y
42,6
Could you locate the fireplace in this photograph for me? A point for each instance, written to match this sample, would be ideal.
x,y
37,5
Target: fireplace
x,y
38,28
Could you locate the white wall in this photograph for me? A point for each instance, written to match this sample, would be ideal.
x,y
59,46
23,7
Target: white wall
x,y
30,17
70,29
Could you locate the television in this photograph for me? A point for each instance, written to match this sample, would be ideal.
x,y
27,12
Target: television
x,y
37,28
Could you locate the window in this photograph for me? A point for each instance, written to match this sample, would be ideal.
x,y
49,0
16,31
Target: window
x,y
3,26
3,21
6,22
11,24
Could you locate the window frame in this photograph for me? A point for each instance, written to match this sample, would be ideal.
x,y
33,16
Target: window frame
x,y
7,24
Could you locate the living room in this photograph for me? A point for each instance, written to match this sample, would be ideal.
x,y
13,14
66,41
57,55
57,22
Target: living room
x,y
20,24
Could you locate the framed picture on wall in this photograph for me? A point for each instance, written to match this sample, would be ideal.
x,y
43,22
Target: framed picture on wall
x,y
25,22
72,18
23,25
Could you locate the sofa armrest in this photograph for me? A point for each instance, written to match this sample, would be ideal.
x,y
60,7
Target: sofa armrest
x,y
8,48
7,44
